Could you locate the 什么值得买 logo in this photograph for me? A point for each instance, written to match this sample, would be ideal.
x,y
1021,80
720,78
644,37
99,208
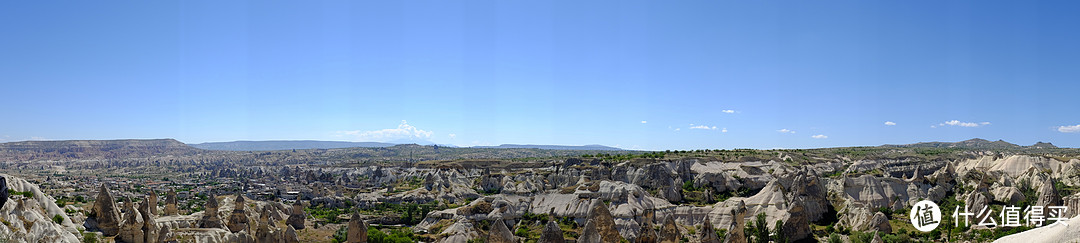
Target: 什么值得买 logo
x,y
925,216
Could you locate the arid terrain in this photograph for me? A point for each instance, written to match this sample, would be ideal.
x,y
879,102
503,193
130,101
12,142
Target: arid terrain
x,y
164,191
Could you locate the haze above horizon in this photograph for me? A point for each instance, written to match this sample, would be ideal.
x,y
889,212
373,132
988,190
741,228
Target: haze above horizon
x,y
628,74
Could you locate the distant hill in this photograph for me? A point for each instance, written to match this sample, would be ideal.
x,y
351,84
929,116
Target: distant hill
x,y
89,149
1042,145
553,147
286,145
976,143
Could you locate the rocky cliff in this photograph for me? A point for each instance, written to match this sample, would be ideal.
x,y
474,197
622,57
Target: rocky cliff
x,y
852,192
31,219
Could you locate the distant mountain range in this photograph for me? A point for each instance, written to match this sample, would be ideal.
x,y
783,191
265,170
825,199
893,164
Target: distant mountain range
x,y
286,145
312,144
152,145
553,147
26,150
976,143
29,150
171,150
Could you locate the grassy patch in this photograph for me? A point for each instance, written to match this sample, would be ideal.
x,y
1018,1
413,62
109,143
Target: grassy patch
x,y
26,194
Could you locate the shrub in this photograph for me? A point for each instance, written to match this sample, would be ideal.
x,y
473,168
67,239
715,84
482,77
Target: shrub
x,y
522,232
887,211
395,236
689,186
24,194
835,238
89,238
530,218
861,237
341,235
896,238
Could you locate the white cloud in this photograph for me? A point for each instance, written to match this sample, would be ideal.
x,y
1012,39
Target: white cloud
x,y
889,123
963,124
404,131
728,111
820,136
677,129
452,136
723,130
1075,128
643,122
703,127
785,130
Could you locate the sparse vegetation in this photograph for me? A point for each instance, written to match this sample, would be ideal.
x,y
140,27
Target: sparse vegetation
x,y
395,236
328,215
341,235
409,213
835,238
26,194
88,237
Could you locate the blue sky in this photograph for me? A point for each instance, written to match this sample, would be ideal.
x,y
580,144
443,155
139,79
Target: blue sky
x,y
632,74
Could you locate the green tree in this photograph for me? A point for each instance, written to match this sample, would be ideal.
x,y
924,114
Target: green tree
x,y
395,236
748,231
759,229
835,238
861,237
778,233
